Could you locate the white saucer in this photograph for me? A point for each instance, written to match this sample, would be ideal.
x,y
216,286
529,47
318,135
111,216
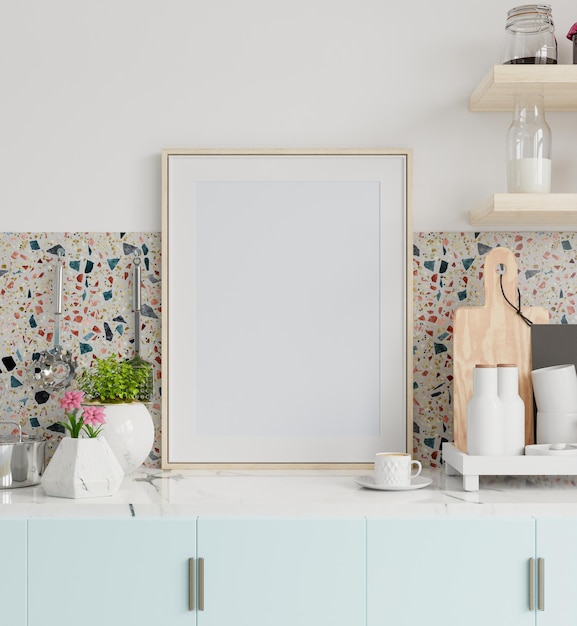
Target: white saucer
x,y
416,483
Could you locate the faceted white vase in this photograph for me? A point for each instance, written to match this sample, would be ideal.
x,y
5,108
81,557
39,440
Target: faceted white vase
x,y
82,468
130,432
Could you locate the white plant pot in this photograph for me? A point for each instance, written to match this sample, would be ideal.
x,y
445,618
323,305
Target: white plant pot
x,y
130,432
82,468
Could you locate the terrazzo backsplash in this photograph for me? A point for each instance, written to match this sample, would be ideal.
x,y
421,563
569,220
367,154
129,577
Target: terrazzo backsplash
x,y
97,317
448,273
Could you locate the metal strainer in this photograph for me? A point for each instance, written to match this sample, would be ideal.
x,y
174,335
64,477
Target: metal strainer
x,y
54,369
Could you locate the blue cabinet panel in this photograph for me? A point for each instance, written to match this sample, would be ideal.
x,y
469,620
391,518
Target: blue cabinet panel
x,y
449,572
557,546
282,572
13,573
102,571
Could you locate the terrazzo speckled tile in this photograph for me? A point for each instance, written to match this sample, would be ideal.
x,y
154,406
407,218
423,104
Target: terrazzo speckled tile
x,y
448,273
97,317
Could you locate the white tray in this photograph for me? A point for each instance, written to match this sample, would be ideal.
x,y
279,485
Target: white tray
x,y
471,467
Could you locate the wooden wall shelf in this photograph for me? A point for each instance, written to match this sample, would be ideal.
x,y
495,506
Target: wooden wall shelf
x,y
527,209
497,90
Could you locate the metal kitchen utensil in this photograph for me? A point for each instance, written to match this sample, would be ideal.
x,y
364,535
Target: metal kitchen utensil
x,y
54,369
22,459
137,362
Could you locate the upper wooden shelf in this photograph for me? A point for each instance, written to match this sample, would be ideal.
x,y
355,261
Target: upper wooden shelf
x,y
528,210
497,90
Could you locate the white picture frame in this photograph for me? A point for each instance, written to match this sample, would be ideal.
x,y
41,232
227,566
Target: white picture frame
x,y
287,307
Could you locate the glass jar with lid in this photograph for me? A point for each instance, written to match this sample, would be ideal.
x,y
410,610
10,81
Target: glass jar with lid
x,y
530,35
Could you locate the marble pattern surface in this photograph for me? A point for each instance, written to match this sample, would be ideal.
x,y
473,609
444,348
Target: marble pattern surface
x,y
277,493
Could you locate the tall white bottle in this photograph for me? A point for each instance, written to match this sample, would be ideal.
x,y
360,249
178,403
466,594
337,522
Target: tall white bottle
x,y
485,414
514,409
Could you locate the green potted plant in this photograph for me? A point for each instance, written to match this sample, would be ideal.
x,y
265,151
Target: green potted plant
x,y
123,389
112,381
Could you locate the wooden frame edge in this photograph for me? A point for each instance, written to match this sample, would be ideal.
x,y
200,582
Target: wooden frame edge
x,y
408,153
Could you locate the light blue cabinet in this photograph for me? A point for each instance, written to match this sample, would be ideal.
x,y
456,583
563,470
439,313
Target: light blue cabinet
x,y
288,572
449,572
556,574
100,571
13,573
252,572
282,572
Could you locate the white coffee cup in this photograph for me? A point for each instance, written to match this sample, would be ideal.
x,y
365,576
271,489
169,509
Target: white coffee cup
x,y
395,469
556,427
555,388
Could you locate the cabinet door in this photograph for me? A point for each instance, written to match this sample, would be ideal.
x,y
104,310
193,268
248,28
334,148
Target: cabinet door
x,y
13,573
557,546
100,571
282,572
449,572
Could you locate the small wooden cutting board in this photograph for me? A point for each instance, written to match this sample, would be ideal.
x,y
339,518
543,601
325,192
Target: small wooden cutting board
x,y
491,334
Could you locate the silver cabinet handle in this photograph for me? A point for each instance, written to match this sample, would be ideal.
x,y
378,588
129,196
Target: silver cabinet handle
x,y
201,584
541,591
531,584
191,584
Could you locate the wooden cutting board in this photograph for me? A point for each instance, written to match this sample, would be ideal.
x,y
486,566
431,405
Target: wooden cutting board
x,y
493,333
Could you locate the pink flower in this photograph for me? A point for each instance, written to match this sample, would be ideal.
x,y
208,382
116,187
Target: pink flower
x,y
71,400
93,415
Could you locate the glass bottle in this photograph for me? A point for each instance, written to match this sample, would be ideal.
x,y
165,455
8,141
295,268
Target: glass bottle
x,y
529,147
485,414
530,35
514,409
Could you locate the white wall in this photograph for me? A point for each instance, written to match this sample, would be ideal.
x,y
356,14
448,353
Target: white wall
x,y
92,90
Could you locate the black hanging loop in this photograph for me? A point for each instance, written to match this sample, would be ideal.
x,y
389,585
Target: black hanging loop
x,y
518,307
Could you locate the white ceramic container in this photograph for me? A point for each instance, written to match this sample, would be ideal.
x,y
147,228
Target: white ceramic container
x,y
556,427
130,432
555,388
513,409
485,414
82,468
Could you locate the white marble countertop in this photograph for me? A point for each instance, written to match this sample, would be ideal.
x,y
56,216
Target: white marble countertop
x,y
311,493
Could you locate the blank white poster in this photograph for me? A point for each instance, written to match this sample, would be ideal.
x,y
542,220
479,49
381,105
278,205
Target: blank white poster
x,y
287,334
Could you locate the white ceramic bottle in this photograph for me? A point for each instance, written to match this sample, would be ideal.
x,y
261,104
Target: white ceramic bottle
x,y
514,409
485,414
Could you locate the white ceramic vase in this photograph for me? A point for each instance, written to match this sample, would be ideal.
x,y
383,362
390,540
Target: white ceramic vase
x,y
514,409
82,468
130,432
485,414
